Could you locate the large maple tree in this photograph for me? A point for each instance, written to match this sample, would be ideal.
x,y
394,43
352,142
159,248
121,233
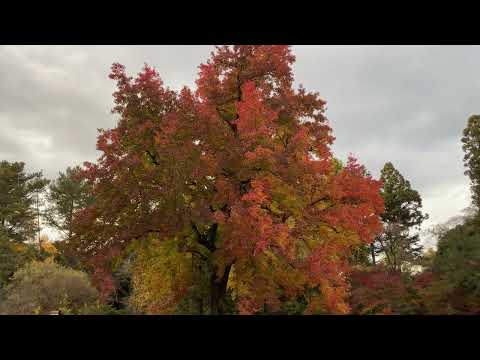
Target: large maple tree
x,y
240,174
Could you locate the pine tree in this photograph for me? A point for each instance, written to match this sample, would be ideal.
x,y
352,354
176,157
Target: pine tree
x,y
19,196
471,147
402,216
67,194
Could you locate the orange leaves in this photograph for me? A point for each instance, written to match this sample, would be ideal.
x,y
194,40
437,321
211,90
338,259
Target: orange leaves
x,y
359,202
249,230
226,192
260,153
248,158
254,122
248,306
283,240
258,194
329,300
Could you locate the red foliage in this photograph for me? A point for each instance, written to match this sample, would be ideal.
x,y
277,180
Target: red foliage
x,y
246,152
379,291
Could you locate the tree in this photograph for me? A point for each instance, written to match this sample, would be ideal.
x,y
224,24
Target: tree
x,y
402,215
40,287
456,269
471,147
67,257
67,194
19,193
451,274
239,174
13,255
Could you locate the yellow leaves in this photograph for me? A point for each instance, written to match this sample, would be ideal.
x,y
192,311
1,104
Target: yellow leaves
x,y
313,242
47,246
187,198
37,310
322,205
243,275
18,247
265,264
274,208
282,240
161,275
290,222
338,235
284,197
232,281
302,249
347,238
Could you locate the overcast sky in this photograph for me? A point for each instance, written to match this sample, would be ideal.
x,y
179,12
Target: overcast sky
x,y
404,104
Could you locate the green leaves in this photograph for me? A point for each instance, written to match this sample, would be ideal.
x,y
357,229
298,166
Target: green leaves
x,y
13,256
402,214
471,147
18,200
458,256
40,287
67,194
402,203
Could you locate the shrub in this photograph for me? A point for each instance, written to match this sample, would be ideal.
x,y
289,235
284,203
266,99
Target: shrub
x,y
40,287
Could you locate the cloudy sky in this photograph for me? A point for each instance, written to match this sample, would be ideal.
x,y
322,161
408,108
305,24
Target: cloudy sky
x,y
404,104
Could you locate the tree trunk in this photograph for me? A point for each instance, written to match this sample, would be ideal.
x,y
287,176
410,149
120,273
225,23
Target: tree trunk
x,y
217,286
200,305
197,279
70,220
372,249
218,290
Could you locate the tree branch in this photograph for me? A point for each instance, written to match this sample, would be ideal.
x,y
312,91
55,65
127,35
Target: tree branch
x,y
193,251
204,239
317,201
152,157
231,125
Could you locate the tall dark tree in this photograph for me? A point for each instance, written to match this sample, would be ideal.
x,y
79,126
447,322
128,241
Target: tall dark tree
x,y
402,215
19,193
471,147
67,194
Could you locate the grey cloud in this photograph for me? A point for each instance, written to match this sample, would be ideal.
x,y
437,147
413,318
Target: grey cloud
x,y
405,104
63,93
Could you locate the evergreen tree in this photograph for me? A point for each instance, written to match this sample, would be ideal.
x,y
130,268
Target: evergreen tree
x,y
471,147
402,215
19,200
67,194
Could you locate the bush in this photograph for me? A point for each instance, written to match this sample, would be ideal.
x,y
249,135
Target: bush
x,y
101,309
380,291
41,287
